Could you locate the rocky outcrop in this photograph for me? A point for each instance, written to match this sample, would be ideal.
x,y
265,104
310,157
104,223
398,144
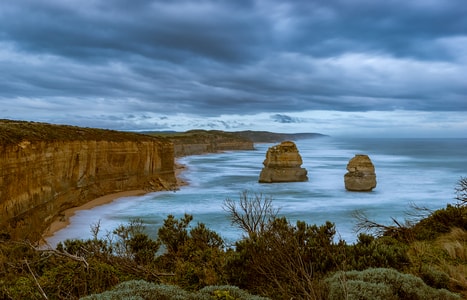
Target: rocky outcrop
x,y
361,175
208,141
208,146
283,164
45,169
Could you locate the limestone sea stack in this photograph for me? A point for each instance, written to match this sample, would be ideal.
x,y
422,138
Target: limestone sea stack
x,y
361,175
283,164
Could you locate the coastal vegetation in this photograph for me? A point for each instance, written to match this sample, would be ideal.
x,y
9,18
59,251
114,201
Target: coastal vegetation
x,y
423,257
277,259
247,135
14,132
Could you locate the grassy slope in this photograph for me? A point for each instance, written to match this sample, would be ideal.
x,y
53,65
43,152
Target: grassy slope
x,y
13,132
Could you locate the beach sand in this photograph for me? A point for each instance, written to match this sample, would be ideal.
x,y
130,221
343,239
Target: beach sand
x,y
64,219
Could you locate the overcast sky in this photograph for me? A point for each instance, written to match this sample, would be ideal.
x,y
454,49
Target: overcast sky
x,y
338,67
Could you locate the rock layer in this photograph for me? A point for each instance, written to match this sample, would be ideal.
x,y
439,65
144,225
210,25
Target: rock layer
x,y
361,175
200,141
283,164
42,174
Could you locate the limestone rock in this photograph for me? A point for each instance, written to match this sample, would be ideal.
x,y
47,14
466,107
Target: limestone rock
x,y
361,175
282,164
45,169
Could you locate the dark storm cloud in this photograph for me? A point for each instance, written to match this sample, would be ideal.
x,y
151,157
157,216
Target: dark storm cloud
x,y
281,118
232,57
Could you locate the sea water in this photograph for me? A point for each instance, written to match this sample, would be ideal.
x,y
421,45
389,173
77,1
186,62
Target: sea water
x,y
421,172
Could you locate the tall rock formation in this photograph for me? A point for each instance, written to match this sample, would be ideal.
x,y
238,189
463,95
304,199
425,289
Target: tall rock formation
x,y
361,175
282,164
46,169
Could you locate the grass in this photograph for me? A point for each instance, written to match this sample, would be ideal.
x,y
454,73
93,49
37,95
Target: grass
x,y
446,256
15,132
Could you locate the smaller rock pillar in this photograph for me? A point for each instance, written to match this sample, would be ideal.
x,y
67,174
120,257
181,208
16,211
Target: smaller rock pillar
x,y
361,175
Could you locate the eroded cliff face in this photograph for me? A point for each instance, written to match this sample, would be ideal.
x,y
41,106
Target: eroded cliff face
x,y
202,141
41,178
207,146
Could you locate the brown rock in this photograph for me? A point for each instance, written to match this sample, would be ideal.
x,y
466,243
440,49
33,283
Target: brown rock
x,y
43,174
282,164
361,175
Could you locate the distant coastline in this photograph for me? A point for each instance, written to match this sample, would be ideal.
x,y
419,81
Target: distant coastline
x,y
63,220
86,167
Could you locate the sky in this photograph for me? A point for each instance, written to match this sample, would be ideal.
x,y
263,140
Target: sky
x,y
392,68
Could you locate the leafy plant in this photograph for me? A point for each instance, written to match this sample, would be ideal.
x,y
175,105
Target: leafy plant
x,y
382,283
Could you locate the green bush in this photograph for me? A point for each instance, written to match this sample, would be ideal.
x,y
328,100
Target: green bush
x,y
22,288
434,278
142,290
382,283
228,292
355,289
440,222
384,252
286,260
195,256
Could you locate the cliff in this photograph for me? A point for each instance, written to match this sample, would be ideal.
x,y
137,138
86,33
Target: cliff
x,y
205,141
274,137
45,169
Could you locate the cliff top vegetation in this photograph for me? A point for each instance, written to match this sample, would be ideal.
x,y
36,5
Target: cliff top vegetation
x,y
13,132
196,135
247,135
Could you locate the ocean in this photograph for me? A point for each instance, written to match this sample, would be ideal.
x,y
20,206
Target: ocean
x,y
422,172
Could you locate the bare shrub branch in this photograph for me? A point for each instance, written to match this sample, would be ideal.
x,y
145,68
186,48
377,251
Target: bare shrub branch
x,y
251,213
461,191
365,224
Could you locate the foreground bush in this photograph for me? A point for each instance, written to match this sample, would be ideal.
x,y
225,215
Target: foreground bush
x,y
381,283
275,258
142,290
442,263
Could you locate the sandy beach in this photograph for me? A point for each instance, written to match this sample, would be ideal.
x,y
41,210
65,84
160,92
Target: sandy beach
x,y
64,219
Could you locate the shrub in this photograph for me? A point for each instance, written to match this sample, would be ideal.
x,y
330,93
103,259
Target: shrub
x,y
355,289
434,278
195,256
22,288
461,191
286,260
383,252
228,292
139,289
440,222
442,263
382,283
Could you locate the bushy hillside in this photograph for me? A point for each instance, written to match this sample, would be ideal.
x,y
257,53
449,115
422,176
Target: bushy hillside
x,y
276,259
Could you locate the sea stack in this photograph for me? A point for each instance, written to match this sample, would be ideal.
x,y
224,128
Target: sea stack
x,y
361,175
283,164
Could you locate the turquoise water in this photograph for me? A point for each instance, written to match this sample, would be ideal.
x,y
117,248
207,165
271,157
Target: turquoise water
x,y
409,171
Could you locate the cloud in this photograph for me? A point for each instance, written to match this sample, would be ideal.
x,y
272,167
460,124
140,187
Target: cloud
x,y
95,58
281,118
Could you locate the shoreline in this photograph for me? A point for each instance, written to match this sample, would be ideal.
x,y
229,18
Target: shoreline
x,y
63,219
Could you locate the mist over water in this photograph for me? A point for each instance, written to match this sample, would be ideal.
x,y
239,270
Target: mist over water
x,y
408,171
